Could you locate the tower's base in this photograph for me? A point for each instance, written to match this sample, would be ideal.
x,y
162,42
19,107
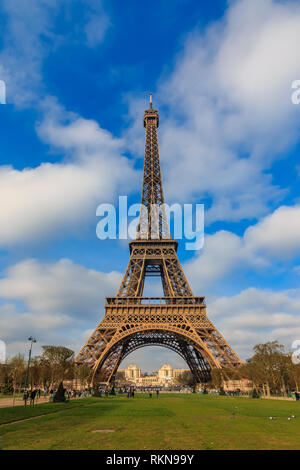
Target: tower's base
x,y
177,323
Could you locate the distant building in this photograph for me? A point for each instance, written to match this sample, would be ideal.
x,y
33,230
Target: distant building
x,y
165,376
167,372
132,372
244,385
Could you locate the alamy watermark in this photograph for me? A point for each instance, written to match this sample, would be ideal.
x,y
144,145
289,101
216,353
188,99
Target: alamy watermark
x,y
187,222
295,97
2,352
2,92
296,352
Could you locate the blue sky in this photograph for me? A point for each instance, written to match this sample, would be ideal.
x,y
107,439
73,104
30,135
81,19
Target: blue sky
x,y
78,74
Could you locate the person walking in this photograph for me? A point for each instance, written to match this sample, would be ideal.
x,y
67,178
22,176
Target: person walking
x,y
25,397
157,393
32,396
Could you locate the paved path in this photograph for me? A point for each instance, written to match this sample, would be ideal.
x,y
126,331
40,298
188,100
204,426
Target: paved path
x,y
6,402
280,398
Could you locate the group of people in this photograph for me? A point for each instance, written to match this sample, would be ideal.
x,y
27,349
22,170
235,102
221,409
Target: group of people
x,y
78,393
74,393
131,391
31,395
34,394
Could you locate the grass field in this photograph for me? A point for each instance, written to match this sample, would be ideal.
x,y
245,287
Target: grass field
x,y
174,421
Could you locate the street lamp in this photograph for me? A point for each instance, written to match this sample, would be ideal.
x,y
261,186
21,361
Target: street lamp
x,y
32,340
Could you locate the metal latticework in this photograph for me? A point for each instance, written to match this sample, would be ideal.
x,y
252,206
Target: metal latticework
x,y
178,320
153,222
153,257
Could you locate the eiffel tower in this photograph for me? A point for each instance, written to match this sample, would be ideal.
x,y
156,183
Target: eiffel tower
x,y
178,320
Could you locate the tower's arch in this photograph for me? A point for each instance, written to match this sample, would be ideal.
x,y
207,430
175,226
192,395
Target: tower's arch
x,y
197,356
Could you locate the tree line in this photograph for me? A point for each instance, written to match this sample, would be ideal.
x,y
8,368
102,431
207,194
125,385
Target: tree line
x,y
270,370
46,371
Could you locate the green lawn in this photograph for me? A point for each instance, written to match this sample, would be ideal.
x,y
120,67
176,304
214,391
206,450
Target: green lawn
x,y
174,421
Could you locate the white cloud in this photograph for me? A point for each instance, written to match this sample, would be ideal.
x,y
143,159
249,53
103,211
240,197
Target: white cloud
x,y
297,269
23,47
275,237
59,288
53,198
278,234
71,132
54,302
16,324
29,35
97,24
222,253
227,111
256,316
56,198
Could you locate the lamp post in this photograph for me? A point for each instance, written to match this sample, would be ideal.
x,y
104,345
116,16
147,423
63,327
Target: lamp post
x,y
32,340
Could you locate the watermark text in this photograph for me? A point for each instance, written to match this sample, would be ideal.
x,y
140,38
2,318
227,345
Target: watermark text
x,y
152,222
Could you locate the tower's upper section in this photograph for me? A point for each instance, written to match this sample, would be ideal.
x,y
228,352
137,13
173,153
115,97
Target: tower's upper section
x,y
151,115
153,222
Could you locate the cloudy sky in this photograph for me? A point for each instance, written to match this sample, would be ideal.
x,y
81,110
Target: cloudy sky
x,y
77,76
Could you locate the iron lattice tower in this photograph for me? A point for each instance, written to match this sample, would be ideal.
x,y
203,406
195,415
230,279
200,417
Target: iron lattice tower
x,y
178,320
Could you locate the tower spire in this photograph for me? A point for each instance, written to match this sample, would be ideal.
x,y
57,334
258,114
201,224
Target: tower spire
x,y
153,221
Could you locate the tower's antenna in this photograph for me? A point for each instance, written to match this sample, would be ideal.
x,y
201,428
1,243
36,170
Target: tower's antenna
x,y
150,100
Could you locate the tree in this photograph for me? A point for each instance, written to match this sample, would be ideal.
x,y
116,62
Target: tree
x,y
121,381
58,360
294,375
185,379
83,373
3,369
217,378
7,388
270,368
35,372
17,367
